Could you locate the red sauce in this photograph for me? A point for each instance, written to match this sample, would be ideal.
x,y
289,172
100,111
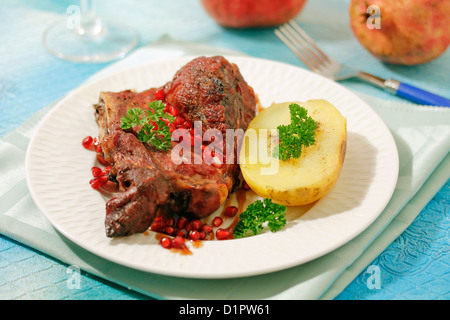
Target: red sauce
x,y
197,243
183,251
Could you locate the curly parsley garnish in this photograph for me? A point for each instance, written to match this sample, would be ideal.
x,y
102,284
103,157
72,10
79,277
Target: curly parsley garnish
x,y
154,129
292,137
258,215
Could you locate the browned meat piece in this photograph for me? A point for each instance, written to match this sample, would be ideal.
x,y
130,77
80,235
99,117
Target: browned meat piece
x,y
207,89
213,91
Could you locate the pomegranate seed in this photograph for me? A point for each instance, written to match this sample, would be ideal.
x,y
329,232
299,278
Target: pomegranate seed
x,y
179,120
202,235
188,124
96,172
95,183
231,211
181,233
157,226
101,159
155,126
178,242
222,234
160,94
217,221
166,242
174,111
170,222
181,223
87,142
169,230
194,235
196,224
97,146
206,228
98,182
106,170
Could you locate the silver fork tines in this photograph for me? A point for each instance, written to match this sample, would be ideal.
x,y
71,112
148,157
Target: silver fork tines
x,y
298,41
302,46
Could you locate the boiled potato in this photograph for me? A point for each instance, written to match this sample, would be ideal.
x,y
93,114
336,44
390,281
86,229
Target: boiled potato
x,y
298,181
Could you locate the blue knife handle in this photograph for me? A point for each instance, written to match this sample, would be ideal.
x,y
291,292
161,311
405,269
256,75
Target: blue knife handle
x,y
421,96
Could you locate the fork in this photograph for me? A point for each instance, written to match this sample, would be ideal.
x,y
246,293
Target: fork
x,y
315,59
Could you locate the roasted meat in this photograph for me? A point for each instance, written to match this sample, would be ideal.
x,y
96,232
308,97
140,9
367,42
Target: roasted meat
x,y
207,89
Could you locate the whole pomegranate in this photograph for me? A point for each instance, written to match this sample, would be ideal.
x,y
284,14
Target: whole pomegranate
x,y
407,32
252,13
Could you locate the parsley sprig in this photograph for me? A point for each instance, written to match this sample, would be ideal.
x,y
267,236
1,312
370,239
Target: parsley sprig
x,y
292,137
154,129
258,215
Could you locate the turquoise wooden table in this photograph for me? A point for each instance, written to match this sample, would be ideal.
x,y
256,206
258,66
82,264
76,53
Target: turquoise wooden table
x,y
416,265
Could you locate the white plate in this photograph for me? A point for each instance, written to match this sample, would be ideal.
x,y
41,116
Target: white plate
x,y
58,172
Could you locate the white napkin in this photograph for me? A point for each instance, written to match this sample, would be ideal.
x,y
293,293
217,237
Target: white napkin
x,y
422,135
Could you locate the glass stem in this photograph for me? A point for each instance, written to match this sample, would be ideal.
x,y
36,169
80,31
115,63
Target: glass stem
x,y
90,25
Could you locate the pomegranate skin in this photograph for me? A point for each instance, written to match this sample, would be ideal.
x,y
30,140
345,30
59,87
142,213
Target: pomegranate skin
x,y
412,31
252,13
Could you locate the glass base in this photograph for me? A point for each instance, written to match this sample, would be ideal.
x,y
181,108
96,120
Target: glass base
x,y
103,42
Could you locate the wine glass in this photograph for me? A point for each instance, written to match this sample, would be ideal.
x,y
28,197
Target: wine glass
x,y
84,37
